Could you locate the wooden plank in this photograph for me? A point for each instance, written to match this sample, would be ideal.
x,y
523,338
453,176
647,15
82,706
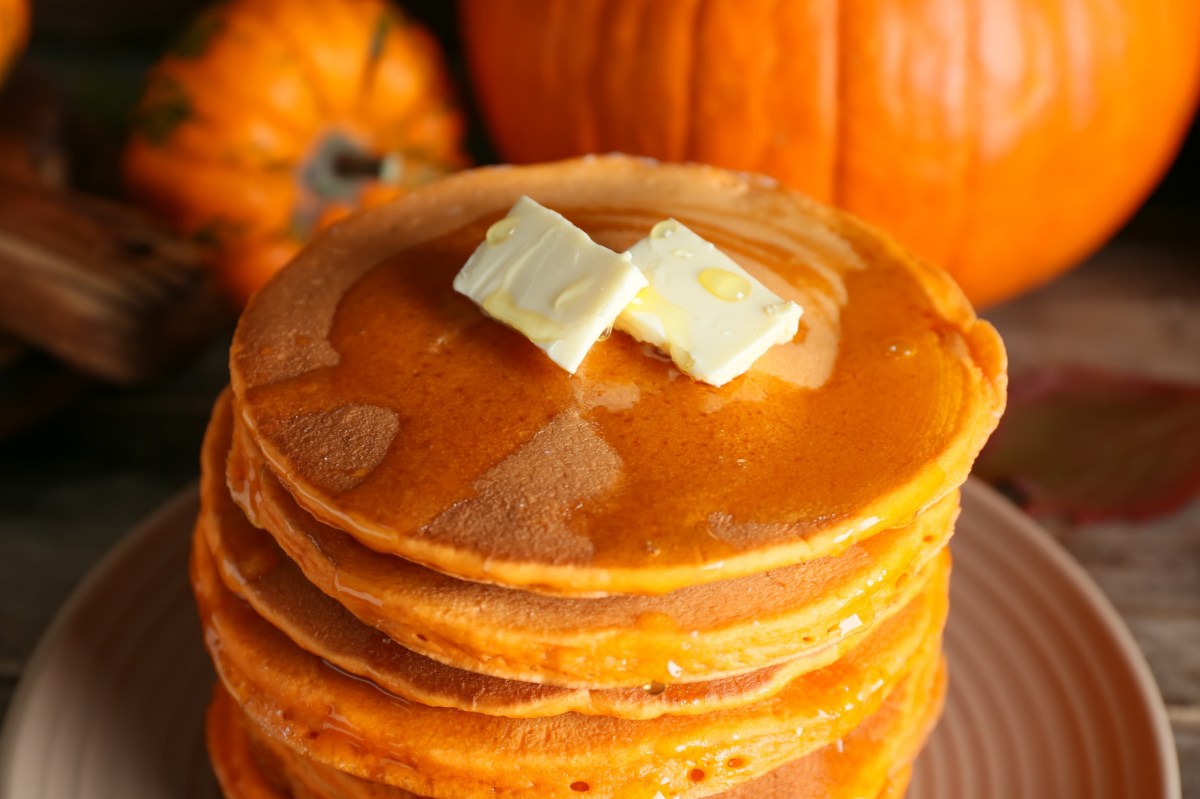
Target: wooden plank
x,y
100,286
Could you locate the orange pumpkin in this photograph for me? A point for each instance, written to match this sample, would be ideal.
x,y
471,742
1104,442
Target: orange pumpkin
x,y
269,119
1001,139
14,31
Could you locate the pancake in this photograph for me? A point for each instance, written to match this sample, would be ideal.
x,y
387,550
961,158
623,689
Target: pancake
x,y
870,761
391,408
347,722
257,570
236,761
896,787
252,565
803,615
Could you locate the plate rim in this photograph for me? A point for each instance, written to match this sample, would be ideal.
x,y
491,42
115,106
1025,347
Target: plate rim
x,y
1133,656
176,508
140,535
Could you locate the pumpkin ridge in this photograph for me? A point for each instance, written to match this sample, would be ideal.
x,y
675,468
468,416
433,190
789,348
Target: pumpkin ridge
x,y
644,141
582,110
183,68
264,17
621,75
344,31
598,76
774,67
692,103
379,37
183,72
649,57
213,140
680,148
558,20
837,158
973,122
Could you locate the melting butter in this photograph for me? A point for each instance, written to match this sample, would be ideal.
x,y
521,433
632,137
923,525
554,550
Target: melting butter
x,y
808,361
703,309
820,259
732,287
538,328
502,230
542,276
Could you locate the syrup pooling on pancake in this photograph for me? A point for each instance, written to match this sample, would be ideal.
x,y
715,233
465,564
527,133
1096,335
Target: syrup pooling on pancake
x,y
252,566
337,719
706,483
810,611
320,625
437,456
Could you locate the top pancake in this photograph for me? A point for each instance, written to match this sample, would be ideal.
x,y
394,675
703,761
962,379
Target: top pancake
x,y
391,408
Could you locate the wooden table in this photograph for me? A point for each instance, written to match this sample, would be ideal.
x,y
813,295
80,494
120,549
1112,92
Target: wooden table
x,y
72,487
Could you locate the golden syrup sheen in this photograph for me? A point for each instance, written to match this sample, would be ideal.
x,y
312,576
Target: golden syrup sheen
x,y
760,451
423,428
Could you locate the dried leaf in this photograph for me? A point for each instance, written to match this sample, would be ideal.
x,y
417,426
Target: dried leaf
x,y
1095,446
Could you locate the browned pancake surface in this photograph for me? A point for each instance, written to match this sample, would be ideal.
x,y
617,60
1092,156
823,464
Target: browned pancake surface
x,y
253,566
351,724
875,754
805,615
393,409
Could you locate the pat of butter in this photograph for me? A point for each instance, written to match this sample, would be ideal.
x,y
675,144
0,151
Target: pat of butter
x,y
544,277
710,315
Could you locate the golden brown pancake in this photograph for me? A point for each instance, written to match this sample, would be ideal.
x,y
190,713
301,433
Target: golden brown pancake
x,y
252,565
871,760
349,723
239,772
391,408
896,788
803,615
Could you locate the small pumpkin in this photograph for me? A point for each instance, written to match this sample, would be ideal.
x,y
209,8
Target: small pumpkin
x,y
269,119
1001,140
14,31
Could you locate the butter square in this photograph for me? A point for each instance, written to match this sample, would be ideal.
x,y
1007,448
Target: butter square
x,y
544,277
704,310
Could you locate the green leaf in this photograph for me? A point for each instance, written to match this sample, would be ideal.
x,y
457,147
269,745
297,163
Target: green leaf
x,y
383,26
379,35
1094,446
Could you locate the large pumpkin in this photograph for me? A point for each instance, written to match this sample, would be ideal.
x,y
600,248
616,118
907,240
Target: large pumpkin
x,y
14,30
1001,139
270,118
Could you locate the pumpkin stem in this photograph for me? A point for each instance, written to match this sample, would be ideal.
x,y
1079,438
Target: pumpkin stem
x,y
358,165
339,166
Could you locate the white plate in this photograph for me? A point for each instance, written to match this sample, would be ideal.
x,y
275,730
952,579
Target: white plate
x,y
1049,695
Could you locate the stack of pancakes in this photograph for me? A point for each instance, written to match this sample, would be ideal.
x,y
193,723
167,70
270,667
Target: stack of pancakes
x,y
431,563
